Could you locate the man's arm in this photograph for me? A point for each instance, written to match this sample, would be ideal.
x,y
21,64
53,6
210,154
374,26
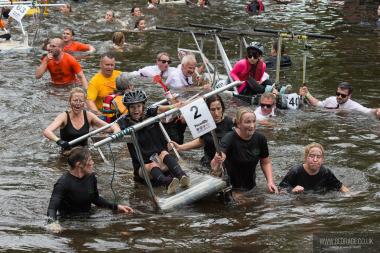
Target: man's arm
x,y
82,79
42,68
303,91
91,49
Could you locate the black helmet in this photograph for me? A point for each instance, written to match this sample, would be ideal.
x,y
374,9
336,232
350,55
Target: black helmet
x,y
123,81
256,45
133,97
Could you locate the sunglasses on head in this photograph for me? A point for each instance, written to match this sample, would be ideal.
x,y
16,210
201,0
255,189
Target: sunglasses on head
x,y
340,94
266,106
165,61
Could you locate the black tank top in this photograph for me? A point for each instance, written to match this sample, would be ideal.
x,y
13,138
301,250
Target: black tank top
x,y
69,133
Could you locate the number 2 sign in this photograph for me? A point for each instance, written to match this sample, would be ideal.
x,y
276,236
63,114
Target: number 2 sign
x,y
198,118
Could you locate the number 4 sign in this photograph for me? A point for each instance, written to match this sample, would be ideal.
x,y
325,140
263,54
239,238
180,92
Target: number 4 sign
x,y
198,118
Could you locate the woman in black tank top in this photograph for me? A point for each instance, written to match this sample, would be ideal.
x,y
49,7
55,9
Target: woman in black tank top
x,y
75,122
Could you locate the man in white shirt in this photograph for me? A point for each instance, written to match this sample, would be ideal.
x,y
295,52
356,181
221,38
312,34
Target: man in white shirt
x,y
342,100
161,68
266,108
182,77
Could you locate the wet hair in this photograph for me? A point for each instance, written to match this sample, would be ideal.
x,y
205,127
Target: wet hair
x,y
268,95
313,145
138,22
133,9
159,55
113,13
275,46
346,86
76,90
5,12
240,112
118,38
108,55
78,154
213,99
189,58
69,29
68,6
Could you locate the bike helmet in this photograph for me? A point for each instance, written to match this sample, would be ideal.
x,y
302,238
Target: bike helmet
x,y
256,45
133,97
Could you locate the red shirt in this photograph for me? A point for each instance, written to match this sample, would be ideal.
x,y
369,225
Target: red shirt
x,y
64,72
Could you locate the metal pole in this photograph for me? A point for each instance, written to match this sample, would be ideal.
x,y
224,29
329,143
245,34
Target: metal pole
x,y
167,137
151,120
201,53
278,63
304,63
144,172
81,138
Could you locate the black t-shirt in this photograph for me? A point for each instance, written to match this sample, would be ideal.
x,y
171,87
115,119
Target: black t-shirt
x,y
324,180
150,138
221,129
72,195
69,132
242,158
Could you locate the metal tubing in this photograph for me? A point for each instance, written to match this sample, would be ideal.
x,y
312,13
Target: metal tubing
x,y
304,65
167,137
151,120
310,35
278,63
201,53
81,138
144,172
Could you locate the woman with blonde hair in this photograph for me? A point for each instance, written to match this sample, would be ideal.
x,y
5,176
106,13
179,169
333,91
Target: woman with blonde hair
x,y
242,149
118,40
74,122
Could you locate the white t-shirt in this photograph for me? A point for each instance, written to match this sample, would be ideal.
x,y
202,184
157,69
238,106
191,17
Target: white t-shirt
x,y
260,116
176,79
151,71
331,103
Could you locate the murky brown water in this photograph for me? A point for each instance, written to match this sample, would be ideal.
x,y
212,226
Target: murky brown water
x,y
30,165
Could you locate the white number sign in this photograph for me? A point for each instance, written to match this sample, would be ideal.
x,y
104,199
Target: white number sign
x,y
18,12
293,101
198,118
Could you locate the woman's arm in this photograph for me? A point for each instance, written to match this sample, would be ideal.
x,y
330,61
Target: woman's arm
x,y
266,167
59,121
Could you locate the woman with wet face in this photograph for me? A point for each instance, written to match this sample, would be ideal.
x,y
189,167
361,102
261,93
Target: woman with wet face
x,y
224,125
77,189
312,175
140,25
242,149
74,122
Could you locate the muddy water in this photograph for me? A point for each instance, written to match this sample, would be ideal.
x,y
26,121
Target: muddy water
x,y
30,165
